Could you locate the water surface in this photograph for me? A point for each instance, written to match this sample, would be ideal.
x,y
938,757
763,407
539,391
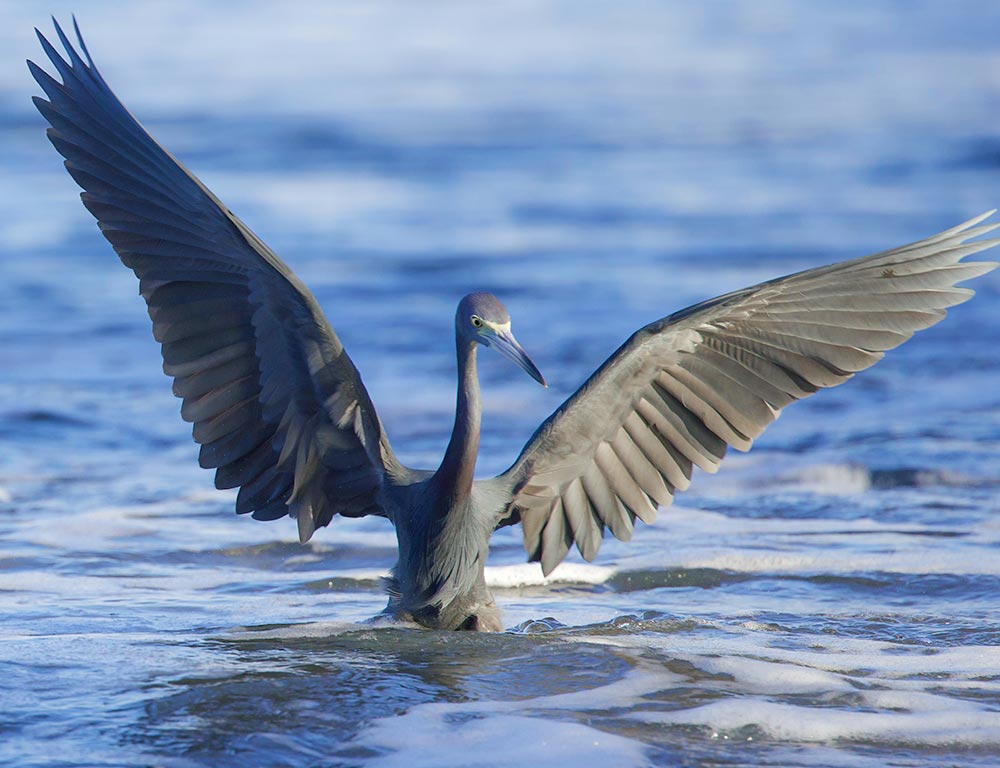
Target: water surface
x,y
828,599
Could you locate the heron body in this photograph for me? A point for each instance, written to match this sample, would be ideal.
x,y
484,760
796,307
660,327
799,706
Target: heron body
x,y
281,412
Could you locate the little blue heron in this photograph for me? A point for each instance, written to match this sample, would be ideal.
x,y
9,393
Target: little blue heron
x,y
281,413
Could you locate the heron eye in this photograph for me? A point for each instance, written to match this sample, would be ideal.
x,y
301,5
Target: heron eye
x,y
477,321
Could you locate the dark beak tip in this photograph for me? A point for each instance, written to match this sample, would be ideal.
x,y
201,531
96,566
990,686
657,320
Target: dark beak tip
x,y
532,370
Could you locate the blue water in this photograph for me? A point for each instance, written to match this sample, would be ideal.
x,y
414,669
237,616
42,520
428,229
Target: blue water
x,y
828,599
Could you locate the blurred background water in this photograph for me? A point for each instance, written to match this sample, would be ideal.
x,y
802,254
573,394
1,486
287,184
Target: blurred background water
x,y
828,599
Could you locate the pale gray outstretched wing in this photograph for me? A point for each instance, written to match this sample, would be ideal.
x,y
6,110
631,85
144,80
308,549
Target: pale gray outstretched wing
x,y
278,407
683,389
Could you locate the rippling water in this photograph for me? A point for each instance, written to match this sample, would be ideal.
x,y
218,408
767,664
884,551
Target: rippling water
x,y
828,599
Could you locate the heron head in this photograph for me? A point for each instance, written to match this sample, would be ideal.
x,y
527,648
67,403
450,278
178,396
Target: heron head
x,y
483,319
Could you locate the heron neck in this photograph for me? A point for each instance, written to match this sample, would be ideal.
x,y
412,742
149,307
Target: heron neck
x,y
459,465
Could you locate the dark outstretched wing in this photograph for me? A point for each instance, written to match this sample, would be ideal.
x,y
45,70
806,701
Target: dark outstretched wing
x,y
278,407
683,389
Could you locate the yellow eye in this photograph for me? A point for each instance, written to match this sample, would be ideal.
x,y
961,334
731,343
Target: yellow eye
x,y
477,321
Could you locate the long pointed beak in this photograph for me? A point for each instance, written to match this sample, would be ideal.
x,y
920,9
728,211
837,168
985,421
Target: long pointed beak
x,y
507,345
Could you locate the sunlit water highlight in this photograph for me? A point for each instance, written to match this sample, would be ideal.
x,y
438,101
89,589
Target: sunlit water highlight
x,y
828,599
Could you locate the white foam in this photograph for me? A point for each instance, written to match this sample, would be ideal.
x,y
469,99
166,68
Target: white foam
x,y
760,676
442,736
907,666
844,689
684,537
530,575
498,733
950,723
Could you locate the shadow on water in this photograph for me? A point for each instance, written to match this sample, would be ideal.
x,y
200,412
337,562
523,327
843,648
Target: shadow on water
x,y
284,692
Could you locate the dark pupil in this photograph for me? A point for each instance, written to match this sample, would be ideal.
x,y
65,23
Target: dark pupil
x,y
477,322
